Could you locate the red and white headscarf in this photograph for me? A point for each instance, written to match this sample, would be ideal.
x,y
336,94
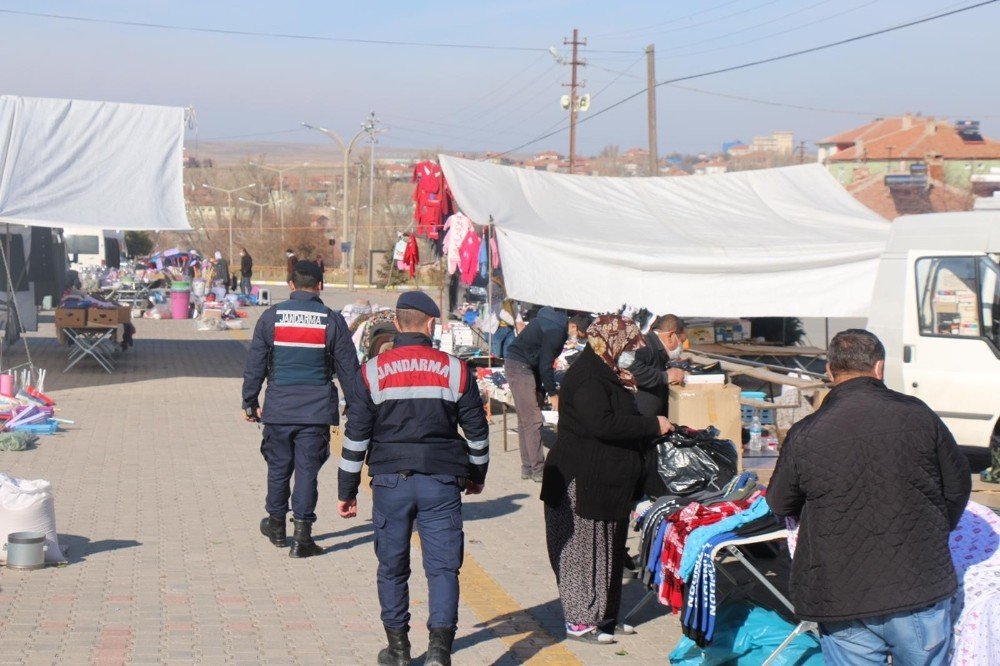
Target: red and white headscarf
x,y
609,336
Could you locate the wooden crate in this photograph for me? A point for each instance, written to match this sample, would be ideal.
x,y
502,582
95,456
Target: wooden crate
x,y
102,316
71,317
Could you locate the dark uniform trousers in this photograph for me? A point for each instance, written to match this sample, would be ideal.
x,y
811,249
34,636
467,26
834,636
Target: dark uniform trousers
x,y
434,503
301,449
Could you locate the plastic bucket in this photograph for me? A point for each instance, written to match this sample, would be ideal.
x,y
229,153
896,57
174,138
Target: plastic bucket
x,y
7,385
176,285
25,550
180,304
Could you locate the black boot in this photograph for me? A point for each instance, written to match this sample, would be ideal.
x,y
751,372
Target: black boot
x,y
302,542
439,647
398,651
273,527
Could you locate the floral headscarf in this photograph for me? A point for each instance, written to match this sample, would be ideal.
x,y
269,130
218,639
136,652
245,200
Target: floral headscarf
x,y
609,336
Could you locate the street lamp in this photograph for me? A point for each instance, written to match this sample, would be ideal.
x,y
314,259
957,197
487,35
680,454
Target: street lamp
x,y
281,189
346,148
260,208
229,196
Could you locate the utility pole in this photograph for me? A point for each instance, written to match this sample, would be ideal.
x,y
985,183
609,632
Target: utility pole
x,y
802,152
573,98
654,159
370,128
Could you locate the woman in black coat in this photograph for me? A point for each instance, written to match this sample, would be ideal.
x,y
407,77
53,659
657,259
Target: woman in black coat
x,y
593,477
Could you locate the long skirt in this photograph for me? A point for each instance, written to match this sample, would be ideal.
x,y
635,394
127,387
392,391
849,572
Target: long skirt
x,y
588,558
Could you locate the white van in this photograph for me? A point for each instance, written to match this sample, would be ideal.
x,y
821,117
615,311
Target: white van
x,y
92,248
936,306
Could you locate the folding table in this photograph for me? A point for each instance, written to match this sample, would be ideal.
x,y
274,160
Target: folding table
x,y
732,548
92,341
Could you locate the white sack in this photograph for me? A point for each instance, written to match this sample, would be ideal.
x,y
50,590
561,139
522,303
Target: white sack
x,y
28,506
773,242
95,164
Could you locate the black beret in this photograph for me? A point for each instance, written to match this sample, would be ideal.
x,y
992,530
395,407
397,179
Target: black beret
x,y
308,268
418,300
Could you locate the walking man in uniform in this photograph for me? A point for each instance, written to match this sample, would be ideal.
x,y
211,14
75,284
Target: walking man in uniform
x,y
297,345
409,403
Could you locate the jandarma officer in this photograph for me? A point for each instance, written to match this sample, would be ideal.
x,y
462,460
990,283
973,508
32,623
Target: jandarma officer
x,y
297,345
409,404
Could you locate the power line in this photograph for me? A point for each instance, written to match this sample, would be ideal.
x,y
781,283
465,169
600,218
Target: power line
x,y
795,28
281,35
755,63
652,29
800,10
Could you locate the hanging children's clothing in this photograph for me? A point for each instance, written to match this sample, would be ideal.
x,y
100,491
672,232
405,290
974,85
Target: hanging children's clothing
x,y
411,256
432,198
469,256
458,227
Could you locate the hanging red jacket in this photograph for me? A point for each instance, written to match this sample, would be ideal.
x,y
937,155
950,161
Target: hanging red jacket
x,y
411,256
432,199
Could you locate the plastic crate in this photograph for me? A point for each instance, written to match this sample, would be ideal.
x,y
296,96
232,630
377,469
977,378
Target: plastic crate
x,y
767,416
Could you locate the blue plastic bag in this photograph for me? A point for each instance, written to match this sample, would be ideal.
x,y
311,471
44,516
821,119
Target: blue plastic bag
x,y
746,635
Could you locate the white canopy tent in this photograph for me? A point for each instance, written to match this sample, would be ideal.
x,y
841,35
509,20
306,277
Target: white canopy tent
x,y
93,164
79,163
775,242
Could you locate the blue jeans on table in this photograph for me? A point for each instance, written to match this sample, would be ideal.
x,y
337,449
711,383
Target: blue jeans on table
x,y
914,638
434,503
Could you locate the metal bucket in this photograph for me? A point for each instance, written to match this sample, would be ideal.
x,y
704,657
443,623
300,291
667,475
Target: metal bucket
x,y
25,550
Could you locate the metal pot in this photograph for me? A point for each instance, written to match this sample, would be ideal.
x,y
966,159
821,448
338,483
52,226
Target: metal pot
x,y
25,550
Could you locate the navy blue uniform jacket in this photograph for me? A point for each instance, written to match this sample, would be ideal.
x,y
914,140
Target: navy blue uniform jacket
x,y
410,403
303,393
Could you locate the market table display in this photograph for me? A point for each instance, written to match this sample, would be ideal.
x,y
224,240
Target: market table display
x,y
91,332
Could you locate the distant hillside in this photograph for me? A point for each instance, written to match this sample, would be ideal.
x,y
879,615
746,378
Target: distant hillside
x,y
278,153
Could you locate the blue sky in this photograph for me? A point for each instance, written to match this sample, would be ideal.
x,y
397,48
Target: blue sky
x,y
497,99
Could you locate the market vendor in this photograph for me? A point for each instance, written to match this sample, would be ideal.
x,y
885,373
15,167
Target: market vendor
x,y
530,370
664,343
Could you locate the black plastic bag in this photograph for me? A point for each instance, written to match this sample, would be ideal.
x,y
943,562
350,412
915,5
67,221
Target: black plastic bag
x,y
687,461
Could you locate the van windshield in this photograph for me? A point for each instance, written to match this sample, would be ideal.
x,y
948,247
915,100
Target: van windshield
x,y
82,244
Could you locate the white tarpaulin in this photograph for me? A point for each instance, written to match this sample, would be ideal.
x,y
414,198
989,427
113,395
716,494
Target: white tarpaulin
x,y
775,242
94,164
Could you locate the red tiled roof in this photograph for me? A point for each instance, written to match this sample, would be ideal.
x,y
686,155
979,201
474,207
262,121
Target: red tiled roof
x,y
887,139
878,127
940,198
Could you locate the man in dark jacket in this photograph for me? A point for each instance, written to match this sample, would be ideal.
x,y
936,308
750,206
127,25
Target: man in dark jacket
x,y
411,401
529,368
877,481
664,343
246,272
297,345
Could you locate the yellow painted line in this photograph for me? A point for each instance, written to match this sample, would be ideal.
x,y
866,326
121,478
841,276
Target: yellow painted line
x,y
495,609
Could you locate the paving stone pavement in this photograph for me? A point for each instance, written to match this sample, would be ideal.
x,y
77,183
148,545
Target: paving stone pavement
x,y
159,489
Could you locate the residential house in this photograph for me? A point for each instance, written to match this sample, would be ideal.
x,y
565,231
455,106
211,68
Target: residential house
x,y
914,164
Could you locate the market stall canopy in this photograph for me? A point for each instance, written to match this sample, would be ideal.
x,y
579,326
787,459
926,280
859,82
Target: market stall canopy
x,y
91,164
773,242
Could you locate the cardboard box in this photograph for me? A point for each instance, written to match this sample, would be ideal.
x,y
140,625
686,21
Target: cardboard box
x,y
102,316
701,334
124,314
70,317
699,406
